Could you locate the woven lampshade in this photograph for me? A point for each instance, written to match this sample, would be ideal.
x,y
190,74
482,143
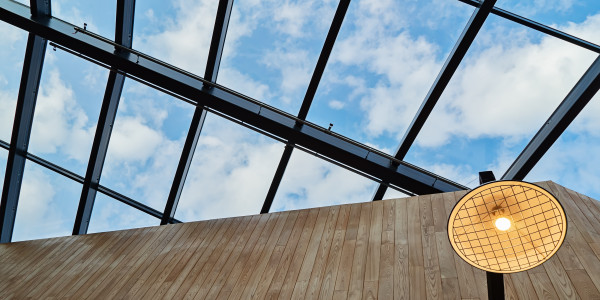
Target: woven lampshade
x,y
507,226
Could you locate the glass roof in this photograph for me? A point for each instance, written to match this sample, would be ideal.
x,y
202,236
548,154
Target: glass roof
x,y
481,124
384,61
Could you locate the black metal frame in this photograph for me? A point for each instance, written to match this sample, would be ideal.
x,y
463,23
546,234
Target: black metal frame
x,y
206,95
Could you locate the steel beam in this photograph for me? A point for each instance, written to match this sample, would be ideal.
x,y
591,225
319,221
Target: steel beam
x,y
212,69
452,62
539,27
560,119
254,113
28,91
334,29
106,119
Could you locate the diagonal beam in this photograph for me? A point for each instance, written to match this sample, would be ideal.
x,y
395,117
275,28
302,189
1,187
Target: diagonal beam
x,y
28,91
560,119
539,27
212,69
334,29
106,119
450,66
253,113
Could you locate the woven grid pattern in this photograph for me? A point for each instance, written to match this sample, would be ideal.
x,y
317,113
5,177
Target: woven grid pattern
x,y
537,227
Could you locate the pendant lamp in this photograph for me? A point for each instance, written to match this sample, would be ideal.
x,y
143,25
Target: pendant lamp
x,y
507,226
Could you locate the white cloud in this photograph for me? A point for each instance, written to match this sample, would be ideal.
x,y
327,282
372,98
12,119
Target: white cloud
x,y
335,104
183,39
59,122
312,182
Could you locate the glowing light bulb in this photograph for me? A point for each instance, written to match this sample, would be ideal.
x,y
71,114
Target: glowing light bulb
x,y
502,223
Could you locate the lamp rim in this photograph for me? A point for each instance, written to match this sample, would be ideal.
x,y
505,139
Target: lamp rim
x,y
475,190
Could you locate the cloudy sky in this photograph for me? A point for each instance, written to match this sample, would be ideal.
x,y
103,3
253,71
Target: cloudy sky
x,y
386,57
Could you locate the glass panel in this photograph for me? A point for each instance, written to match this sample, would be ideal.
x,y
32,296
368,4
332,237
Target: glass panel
x,y
3,158
177,32
146,143
272,49
573,161
312,182
508,85
110,214
230,174
12,52
99,16
579,18
393,194
67,109
47,204
385,59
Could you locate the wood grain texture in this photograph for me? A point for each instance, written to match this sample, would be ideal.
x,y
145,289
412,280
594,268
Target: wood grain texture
x,y
387,249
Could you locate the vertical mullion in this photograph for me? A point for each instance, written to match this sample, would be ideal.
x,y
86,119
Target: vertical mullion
x,y
108,112
26,100
212,69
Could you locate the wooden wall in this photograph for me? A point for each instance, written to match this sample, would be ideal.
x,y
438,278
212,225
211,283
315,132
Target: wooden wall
x,y
386,249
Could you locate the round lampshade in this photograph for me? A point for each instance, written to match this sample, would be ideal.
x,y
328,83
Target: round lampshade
x,y
507,226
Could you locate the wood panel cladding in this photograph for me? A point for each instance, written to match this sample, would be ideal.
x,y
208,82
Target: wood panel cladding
x,y
387,249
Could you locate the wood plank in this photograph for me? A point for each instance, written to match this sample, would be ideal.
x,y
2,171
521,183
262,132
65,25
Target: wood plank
x,y
184,252
445,256
335,254
438,210
56,267
320,264
373,252
344,271
31,269
118,266
543,286
157,265
582,203
574,214
84,268
450,288
287,288
179,277
286,259
585,254
480,282
145,267
310,256
433,279
509,289
567,257
386,267
255,265
224,288
275,258
559,278
360,253
583,284
416,269
401,269
464,271
523,286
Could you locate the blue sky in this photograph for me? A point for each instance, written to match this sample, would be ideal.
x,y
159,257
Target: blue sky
x,y
385,59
